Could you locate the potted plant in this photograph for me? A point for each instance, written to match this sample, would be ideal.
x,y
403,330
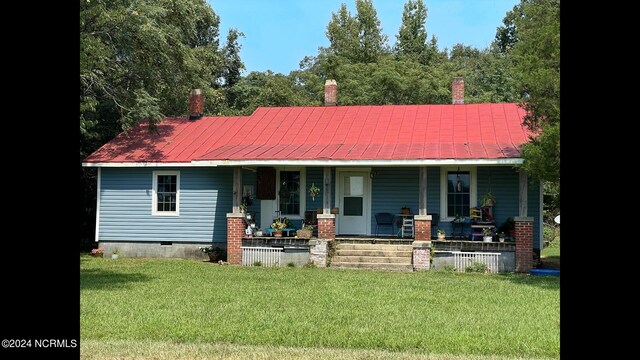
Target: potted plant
x,y
305,232
313,191
277,227
114,254
501,236
441,234
213,252
405,210
259,232
488,200
487,235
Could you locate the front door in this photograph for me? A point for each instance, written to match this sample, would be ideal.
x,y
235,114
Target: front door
x,y
353,202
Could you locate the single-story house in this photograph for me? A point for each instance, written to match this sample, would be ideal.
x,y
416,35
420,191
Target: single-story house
x,y
170,191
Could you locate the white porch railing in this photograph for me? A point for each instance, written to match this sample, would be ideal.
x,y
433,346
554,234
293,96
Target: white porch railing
x,y
268,256
462,259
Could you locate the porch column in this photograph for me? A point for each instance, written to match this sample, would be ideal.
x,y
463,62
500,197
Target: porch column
x,y
235,221
422,227
326,188
421,255
422,203
326,220
422,221
523,230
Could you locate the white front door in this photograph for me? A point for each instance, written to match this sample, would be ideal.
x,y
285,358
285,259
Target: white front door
x,y
353,202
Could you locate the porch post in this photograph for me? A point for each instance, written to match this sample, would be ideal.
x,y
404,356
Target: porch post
x,y
326,220
235,221
326,198
522,209
524,230
237,189
422,221
422,204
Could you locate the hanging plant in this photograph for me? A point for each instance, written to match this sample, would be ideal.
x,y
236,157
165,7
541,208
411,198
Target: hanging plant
x,y
313,191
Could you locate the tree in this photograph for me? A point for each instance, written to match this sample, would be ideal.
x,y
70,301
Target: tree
x,y
342,32
412,36
359,38
233,63
372,41
536,57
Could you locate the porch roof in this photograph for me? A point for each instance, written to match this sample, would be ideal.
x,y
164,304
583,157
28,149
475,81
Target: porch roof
x,y
376,135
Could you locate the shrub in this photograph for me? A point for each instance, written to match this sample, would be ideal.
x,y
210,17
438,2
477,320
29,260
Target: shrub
x,y
257,263
477,267
310,265
291,264
448,268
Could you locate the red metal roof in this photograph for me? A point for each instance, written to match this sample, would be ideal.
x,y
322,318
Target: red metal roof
x,y
389,132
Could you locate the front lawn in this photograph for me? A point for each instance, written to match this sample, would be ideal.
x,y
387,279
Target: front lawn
x,y
147,305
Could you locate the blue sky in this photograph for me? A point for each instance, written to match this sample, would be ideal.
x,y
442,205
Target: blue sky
x,y
278,34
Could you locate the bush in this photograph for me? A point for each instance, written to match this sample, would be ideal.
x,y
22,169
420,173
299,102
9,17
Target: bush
x,y
291,264
310,265
257,263
477,267
448,268
551,236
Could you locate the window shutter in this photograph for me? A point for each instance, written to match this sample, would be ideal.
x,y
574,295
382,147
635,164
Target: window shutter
x,y
266,178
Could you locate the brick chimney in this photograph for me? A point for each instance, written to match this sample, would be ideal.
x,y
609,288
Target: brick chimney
x,y
330,93
457,90
196,104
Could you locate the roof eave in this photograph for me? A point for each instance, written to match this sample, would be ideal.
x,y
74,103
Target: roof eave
x,y
313,162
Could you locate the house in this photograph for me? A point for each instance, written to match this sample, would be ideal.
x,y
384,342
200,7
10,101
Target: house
x,y
170,191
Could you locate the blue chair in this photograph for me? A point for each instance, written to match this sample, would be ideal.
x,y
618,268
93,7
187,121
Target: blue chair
x,y
384,219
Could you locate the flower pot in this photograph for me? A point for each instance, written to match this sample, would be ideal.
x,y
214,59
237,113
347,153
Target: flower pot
x,y
304,234
441,236
259,233
487,238
501,239
277,233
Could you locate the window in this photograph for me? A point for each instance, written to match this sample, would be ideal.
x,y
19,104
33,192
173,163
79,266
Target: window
x,y
289,193
166,193
458,191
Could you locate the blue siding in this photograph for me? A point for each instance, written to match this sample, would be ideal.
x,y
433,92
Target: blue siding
x,y
125,206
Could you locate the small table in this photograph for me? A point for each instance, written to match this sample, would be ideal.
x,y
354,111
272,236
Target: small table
x,y
271,230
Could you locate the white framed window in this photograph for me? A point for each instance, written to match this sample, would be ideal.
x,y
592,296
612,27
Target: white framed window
x,y
458,191
166,193
291,195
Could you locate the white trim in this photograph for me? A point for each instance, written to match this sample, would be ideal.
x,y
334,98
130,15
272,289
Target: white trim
x,y
314,162
98,204
541,218
144,164
154,197
473,188
303,192
367,203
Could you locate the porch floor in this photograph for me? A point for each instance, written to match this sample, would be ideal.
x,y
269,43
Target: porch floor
x,y
365,239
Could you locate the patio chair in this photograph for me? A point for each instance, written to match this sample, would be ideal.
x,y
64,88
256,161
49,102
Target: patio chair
x,y
384,219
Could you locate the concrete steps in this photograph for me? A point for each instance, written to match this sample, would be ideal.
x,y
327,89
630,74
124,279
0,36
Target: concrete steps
x,y
373,256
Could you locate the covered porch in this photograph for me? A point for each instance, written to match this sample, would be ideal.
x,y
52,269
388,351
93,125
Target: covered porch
x,y
351,196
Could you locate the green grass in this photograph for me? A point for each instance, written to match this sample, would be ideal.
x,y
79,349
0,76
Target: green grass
x,y
550,257
154,308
